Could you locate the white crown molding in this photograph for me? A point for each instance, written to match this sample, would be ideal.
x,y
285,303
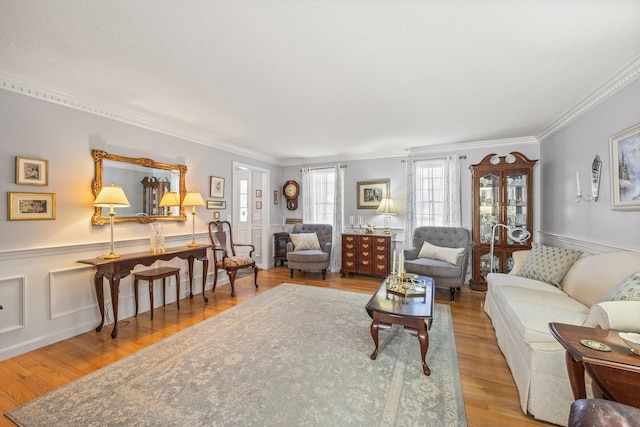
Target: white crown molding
x,y
93,107
614,84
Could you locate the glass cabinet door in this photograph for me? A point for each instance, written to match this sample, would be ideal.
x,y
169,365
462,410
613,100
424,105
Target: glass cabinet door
x,y
489,205
516,204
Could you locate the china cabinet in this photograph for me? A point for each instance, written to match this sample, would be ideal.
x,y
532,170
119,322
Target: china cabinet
x,y
502,194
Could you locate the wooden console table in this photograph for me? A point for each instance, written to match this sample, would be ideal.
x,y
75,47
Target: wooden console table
x,y
116,269
615,373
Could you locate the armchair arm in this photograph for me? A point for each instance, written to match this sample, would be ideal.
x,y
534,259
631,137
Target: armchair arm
x,y
618,315
289,247
327,248
253,248
411,253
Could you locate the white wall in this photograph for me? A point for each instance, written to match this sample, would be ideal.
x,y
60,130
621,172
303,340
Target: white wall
x,y
45,294
593,226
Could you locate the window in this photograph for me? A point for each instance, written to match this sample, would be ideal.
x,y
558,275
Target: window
x,y
243,200
430,192
322,206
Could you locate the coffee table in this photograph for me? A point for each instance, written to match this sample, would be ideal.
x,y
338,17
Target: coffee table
x,y
415,313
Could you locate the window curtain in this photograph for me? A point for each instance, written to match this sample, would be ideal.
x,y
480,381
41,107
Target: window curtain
x,y
322,202
452,204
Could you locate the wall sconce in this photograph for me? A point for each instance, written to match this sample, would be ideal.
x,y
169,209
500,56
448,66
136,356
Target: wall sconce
x,y
111,197
596,167
517,234
387,208
193,199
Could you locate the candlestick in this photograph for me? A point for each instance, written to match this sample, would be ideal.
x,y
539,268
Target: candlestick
x,y
394,263
578,182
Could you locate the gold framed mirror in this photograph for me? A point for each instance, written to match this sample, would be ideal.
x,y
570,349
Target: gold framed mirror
x,y
144,181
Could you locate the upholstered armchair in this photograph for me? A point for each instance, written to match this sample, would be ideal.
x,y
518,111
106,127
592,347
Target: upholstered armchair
x,y
310,248
441,253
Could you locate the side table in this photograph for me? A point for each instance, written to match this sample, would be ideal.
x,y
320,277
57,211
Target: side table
x,y
280,241
615,373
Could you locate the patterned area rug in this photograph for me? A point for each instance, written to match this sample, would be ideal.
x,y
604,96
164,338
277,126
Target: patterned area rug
x,y
292,356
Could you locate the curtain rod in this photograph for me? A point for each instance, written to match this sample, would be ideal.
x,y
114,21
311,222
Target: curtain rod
x,y
413,159
325,167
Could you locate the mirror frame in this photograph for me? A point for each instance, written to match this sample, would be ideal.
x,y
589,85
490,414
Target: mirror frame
x,y
99,218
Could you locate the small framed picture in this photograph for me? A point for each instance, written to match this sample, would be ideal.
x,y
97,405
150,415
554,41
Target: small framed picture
x,y
216,187
371,193
258,205
215,204
32,171
216,214
625,159
258,194
276,197
26,206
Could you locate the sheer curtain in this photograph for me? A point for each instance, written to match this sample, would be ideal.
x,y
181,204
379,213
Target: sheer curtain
x,y
436,187
322,203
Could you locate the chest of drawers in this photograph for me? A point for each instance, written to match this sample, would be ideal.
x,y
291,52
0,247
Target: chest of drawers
x,y
366,254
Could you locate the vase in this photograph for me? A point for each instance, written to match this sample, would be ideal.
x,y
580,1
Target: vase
x,y
157,238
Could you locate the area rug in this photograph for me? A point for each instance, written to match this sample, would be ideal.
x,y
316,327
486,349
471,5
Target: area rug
x,y
292,356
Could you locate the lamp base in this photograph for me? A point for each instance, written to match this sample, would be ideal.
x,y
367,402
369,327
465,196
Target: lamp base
x,y
193,245
111,256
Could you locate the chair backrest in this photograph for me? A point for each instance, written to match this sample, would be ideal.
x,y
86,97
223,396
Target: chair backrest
x,y
323,231
450,237
218,231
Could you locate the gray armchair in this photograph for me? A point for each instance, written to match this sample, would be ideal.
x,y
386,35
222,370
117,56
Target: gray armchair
x,y
310,259
444,274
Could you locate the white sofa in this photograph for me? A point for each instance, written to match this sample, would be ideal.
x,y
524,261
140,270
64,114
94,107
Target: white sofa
x,y
521,310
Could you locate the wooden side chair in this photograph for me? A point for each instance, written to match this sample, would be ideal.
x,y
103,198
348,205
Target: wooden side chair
x,y
224,255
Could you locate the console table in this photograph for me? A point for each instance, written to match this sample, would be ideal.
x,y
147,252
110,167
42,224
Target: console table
x,y
116,269
615,373
366,254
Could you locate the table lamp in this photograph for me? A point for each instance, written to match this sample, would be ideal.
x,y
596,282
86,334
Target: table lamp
x,y
193,199
170,199
111,197
387,208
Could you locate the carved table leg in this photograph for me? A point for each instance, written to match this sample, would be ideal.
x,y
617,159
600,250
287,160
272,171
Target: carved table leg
x,y
190,262
576,377
423,337
205,269
114,282
99,285
375,325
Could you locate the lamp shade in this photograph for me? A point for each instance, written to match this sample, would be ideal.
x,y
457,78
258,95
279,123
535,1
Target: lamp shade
x,y
111,196
193,198
387,207
170,198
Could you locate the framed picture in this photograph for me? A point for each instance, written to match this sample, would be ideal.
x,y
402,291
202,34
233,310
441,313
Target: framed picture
x,y
216,187
370,193
276,197
216,214
258,205
258,193
215,204
625,162
26,206
32,171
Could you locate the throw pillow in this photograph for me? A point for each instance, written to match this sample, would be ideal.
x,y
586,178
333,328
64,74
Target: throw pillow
x,y
449,255
627,290
304,241
548,264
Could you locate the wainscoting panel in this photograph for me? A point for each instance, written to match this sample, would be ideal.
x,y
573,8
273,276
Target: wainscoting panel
x,y
71,291
588,246
13,302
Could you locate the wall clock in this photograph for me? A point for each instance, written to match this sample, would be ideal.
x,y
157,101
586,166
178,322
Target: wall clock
x,y
291,191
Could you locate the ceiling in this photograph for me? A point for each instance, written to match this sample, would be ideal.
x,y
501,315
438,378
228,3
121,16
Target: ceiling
x,y
297,80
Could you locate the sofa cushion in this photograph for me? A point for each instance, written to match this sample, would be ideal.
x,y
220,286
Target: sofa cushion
x,y
308,255
548,264
593,276
304,241
432,267
627,290
441,253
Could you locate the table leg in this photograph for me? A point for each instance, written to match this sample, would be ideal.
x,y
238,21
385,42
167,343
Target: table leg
x,y
190,263
576,377
375,325
99,285
114,284
423,337
205,269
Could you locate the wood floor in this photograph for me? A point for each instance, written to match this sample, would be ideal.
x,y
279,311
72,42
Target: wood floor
x,y
489,392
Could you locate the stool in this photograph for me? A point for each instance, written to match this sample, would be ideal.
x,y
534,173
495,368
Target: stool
x,y
154,274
